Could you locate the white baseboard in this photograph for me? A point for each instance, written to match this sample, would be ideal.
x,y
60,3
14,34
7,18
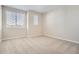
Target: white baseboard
x,y
27,35
33,35
61,38
12,38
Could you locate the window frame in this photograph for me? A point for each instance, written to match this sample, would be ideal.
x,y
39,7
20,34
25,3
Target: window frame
x,y
13,10
35,19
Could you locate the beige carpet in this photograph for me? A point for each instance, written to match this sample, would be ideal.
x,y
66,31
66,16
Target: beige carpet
x,y
40,45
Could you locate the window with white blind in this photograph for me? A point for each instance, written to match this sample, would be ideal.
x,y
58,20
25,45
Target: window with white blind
x,y
35,19
14,18
11,18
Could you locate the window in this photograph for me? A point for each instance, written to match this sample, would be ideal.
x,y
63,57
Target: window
x,y
14,18
20,19
11,18
35,19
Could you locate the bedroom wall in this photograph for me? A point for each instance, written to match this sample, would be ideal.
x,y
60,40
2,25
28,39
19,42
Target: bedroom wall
x,y
72,23
13,32
62,23
0,22
54,23
29,29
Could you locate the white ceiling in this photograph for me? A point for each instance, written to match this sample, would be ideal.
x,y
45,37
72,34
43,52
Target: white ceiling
x,y
38,8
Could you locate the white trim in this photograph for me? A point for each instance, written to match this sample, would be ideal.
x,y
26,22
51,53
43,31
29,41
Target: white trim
x,y
34,35
61,38
13,38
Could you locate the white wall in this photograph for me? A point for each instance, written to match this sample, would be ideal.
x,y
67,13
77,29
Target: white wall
x,y
34,30
54,23
0,22
13,32
72,23
29,30
63,23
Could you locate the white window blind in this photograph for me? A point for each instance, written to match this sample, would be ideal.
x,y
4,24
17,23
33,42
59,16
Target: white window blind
x,y
35,19
15,18
11,18
20,19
